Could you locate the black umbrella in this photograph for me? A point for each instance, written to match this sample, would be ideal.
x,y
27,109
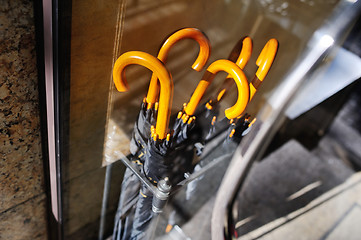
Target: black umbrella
x,y
236,128
156,167
158,153
186,119
146,117
264,63
210,127
207,114
131,184
180,139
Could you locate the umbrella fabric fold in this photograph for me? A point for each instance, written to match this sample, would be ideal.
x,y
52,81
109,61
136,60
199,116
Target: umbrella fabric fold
x,y
143,214
237,130
181,129
142,126
130,186
156,166
125,212
206,118
140,147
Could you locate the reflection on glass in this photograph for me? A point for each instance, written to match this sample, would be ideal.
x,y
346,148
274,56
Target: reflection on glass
x,y
102,119
224,23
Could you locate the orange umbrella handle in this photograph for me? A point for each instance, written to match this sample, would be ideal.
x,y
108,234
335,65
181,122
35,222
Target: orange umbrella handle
x,y
240,54
165,79
238,76
264,63
204,52
246,52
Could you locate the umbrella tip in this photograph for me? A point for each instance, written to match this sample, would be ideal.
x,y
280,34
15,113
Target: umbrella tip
x,y
214,119
180,114
208,105
185,118
232,133
165,184
253,121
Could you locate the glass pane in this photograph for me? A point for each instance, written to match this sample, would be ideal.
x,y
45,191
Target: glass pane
x,y
101,120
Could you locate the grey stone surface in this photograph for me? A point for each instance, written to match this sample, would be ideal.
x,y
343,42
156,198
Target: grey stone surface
x,y
285,181
347,227
343,141
25,221
327,217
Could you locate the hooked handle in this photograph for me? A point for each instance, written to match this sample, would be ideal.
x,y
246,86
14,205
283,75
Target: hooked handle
x,y
238,76
264,63
165,79
203,55
240,54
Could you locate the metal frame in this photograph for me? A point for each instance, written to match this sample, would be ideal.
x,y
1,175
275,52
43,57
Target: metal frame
x,y
56,64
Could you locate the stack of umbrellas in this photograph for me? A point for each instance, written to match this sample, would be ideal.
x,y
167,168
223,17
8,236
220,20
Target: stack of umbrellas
x,y
164,154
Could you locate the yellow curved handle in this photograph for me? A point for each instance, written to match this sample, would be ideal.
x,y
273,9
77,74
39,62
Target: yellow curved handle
x,y
204,52
240,54
238,76
165,79
264,61
266,58
246,52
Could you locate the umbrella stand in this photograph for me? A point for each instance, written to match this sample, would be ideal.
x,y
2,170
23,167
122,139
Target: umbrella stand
x,y
158,169
160,192
163,190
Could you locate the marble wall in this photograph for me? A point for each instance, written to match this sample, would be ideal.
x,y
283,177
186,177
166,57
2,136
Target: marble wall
x,y
22,196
